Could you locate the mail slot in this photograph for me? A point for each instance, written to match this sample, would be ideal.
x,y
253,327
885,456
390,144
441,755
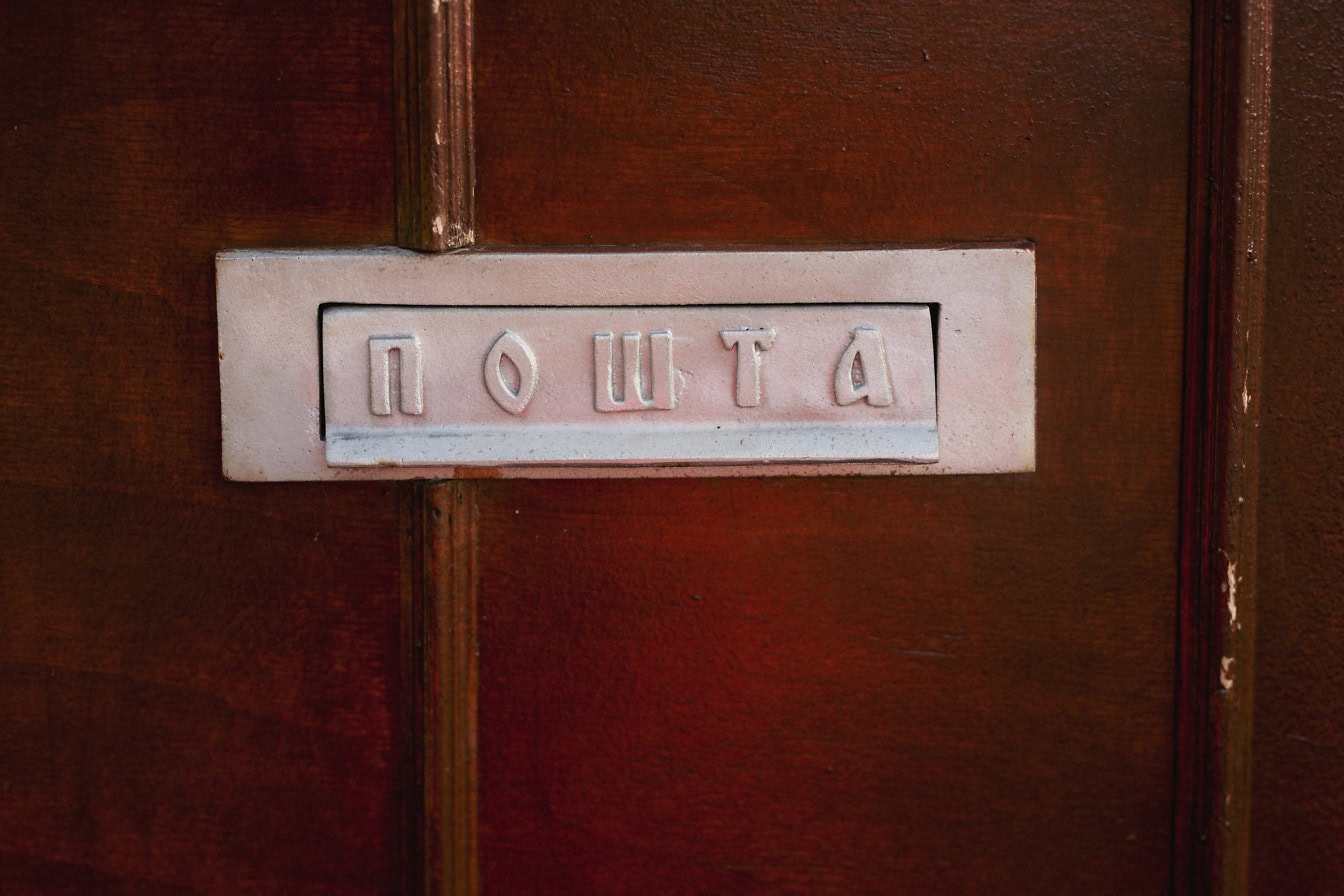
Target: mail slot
x,y
380,364
629,385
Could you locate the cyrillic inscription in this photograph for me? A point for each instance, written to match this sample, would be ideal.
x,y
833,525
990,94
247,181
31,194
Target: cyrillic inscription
x,y
637,392
729,383
512,388
486,358
410,382
749,342
862,371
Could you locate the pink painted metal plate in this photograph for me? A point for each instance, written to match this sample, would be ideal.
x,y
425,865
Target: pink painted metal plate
x,y
390,364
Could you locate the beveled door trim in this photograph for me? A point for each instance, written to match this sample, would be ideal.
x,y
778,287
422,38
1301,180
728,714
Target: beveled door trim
x,y
435,172
435,210
1229,137
439,687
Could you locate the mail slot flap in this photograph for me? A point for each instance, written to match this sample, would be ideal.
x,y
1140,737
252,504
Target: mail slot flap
x,y
629,385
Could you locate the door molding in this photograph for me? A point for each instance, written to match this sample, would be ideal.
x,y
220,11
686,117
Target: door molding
x,y
435,168
435,211
439,687
1229,137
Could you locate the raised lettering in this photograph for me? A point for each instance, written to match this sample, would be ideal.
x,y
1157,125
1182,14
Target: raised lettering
x,y
659,394
862,371
749,342
410,379
511,398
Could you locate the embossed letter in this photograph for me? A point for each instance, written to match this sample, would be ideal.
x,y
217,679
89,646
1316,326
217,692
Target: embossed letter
x,y
410,381
661,395
862,371
749,342
510,345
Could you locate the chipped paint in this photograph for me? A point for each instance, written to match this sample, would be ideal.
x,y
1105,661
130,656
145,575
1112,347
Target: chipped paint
x,y
1231,589
1225,674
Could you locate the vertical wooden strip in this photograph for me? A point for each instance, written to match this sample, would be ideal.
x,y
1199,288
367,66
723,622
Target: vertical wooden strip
x,y
1237,663
432,88
440,685
435,212
1229,153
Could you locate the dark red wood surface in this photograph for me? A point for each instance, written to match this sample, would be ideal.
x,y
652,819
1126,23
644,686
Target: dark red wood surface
x,y
1297,832
197,678
1220,458
956,685
848,685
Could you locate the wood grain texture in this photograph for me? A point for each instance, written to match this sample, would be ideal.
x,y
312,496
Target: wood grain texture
x,y
1239,589
435,212
432,80
1298,820
1220,458
439,650
197,678
848,685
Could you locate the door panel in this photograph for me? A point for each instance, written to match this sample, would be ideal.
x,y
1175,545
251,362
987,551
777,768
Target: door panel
x,y
848,685
197,678
1298,818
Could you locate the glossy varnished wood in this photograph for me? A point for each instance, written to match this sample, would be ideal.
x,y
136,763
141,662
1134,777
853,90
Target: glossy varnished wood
x,y
197,678
435,189
439,654
432,80
849,685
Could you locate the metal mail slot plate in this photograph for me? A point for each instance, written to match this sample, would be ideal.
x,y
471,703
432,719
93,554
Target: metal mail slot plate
x,y
628,385
383,363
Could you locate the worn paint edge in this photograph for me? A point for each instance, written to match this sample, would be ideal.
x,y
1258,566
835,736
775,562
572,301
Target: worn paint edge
x,y
434,128
1225,295
1239,555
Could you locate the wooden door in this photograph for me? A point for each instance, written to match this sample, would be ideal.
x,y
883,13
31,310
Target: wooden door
x,y
749,685
848,685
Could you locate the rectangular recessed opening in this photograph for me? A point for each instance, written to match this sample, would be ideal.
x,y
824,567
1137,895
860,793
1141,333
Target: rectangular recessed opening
x,y
431,386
